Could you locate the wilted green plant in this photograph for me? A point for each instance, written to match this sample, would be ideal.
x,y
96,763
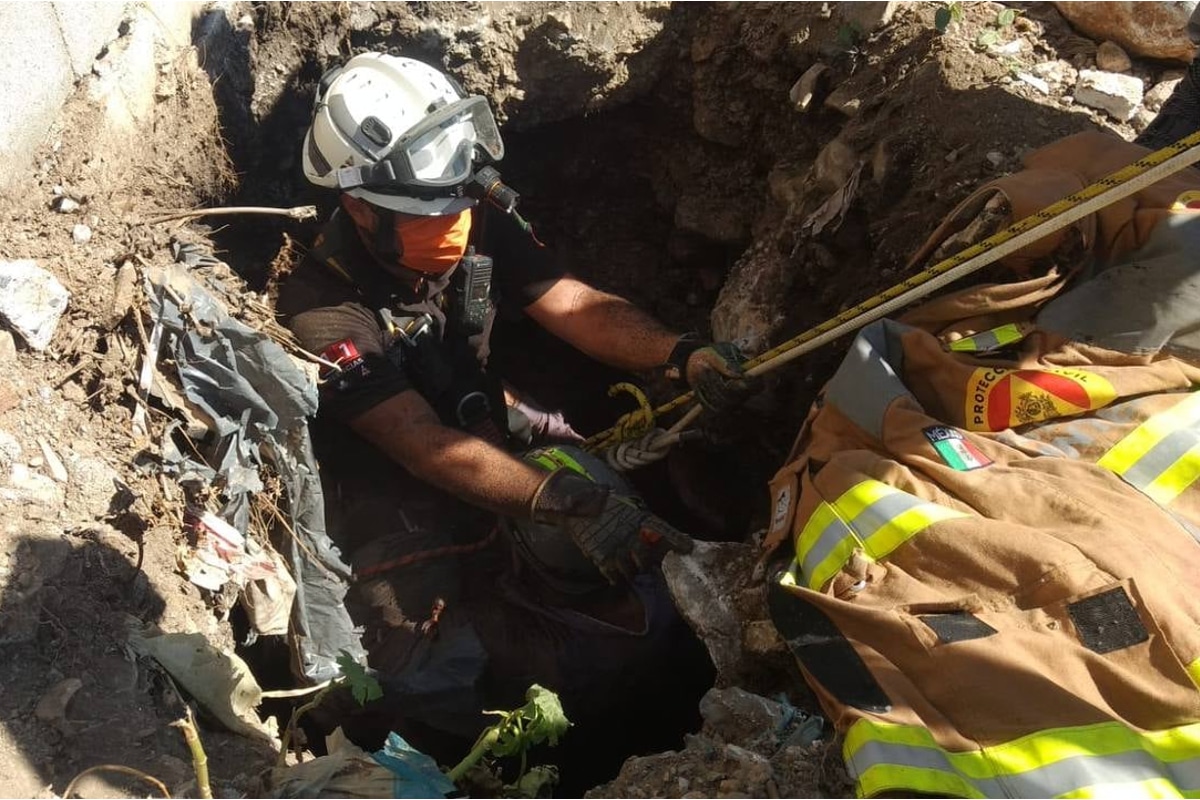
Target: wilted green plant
x,y
541,719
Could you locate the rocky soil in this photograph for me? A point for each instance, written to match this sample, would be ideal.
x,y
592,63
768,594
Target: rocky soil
x,y
747,170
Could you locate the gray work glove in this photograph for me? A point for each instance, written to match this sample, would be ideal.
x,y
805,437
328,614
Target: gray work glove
x,y
616,533
714,372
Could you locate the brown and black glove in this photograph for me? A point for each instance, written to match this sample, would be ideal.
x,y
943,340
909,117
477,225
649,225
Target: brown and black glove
x,y
713,370
616,533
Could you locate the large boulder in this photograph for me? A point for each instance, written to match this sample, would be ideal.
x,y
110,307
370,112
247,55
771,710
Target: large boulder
x,y
1152,30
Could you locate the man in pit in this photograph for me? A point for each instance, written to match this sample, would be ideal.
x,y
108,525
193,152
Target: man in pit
x,y
489,552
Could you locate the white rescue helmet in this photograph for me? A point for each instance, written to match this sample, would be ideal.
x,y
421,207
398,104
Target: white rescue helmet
x,y
399,134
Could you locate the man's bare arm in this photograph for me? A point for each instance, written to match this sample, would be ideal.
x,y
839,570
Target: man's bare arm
x,y
608,328
407,429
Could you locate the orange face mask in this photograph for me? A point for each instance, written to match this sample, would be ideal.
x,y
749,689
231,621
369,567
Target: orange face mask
x,y
426,244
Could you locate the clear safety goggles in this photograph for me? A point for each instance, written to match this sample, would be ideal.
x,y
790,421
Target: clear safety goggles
x,y
437,155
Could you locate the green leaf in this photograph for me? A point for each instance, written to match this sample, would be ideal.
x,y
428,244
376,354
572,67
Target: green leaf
x,y
956,11
550,721
363,686
941,19
986,39
1006,17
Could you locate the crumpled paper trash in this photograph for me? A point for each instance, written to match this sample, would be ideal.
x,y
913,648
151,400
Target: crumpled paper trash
x,y
219,681
397,770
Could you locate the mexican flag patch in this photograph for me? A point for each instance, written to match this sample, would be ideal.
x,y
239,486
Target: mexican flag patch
x,y
954,449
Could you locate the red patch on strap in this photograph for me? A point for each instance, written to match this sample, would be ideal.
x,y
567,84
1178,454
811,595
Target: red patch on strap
x,y
343,353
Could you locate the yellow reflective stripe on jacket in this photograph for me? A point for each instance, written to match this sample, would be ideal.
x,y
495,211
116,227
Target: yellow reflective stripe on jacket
x,y
989,340
872,517
1161,457
1086,761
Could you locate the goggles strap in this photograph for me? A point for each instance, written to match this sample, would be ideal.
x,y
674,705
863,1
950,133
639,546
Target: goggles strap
x,y
378,174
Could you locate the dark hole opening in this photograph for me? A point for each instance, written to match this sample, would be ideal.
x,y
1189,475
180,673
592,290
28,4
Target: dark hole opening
x,y
586,187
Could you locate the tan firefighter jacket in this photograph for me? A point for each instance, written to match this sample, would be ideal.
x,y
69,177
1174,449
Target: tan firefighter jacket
x,y
993,582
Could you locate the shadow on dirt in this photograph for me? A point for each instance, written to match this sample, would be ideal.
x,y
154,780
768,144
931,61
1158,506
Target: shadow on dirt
x,y
72,696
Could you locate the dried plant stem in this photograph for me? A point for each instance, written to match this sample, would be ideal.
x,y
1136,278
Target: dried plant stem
x,y
296,212
199,757
286,740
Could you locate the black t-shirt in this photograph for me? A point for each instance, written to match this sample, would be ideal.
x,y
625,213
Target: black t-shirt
x,y
338,319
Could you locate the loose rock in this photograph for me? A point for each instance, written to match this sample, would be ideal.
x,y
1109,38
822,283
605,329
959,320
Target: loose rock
x,y
124,285
867,17
81,233
32,488
1052,71
8,348
834,164
53,463
735,715
1119,95
31,301
845,100
1111,58
1158,94
1142,119
1037,83
65,205
10,448
802,91
1154,30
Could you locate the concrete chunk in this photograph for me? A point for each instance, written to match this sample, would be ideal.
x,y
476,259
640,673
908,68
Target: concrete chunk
x,y
1119,95
31,301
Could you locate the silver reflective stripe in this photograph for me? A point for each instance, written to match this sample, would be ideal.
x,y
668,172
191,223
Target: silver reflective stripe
x,y
1160,458
876,753
1078,772
833,533
988,340
1068,775
865,524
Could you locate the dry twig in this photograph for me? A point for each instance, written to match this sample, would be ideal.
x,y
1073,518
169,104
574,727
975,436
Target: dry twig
x,y
137,773
296,212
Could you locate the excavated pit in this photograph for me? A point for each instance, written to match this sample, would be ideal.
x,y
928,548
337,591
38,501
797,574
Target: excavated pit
x,y
658,176
657,147
593,187
662,157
